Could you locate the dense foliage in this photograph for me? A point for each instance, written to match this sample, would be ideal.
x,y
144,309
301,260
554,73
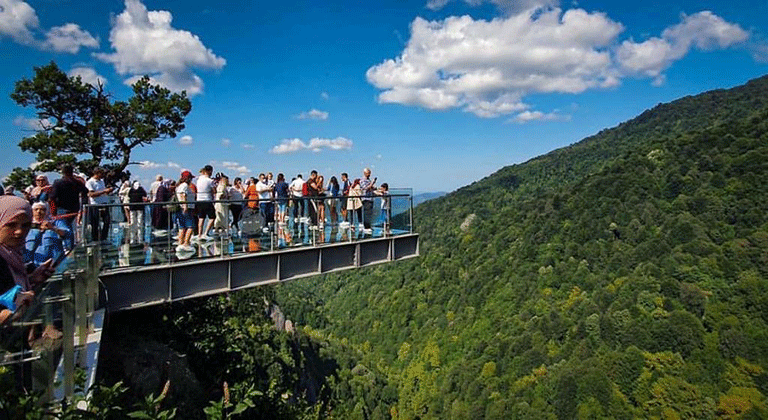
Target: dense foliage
x,y
624,276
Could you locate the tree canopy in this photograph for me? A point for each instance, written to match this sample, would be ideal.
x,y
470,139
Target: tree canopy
x,y
82,125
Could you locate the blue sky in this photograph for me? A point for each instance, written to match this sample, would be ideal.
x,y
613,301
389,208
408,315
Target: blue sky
x,y
431,94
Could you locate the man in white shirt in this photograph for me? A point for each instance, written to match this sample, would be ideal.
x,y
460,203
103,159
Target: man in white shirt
x,y
266,205
205,190
98,193
296,187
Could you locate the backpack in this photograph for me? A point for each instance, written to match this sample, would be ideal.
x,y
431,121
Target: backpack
x,y
174,205
305,189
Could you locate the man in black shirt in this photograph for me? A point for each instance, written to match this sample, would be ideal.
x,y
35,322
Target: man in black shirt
x,y
67,194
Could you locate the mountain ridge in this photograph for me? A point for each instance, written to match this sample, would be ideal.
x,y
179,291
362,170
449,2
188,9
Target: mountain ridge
x,y
622,276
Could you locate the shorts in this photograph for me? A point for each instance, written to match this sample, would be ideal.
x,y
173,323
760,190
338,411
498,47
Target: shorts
x,y
205,208
186,220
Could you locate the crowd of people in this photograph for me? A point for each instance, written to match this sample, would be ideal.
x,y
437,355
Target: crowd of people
x,y
211,204
40,227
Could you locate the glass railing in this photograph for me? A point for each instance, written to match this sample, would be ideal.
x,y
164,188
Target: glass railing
x,y
149,233
37,344
41,348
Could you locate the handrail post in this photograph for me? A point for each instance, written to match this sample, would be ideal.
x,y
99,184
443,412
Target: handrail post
x,y
410,201
68,334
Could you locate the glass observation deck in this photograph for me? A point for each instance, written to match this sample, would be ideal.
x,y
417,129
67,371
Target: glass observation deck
x,y
148,243
141,264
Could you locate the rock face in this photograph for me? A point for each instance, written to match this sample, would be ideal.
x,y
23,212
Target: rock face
x,y
467,222
145,366
276,314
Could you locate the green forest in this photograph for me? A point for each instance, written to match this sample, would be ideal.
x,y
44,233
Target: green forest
x,y
624,276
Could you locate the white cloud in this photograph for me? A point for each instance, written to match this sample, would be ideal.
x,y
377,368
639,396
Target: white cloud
x,y
236,166
186,140
226,142
529,116
313,114
488,68
148,164
702,30
325,95
88,75
146,43
316,145
248,146
31,123
19,21
69,38
151,165
509,6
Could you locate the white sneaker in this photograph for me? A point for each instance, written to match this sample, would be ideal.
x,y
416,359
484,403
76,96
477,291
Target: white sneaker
x,y
344,225
204,238
194,238
367,231
295,220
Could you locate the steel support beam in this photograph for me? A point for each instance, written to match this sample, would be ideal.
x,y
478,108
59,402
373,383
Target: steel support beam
x,y
128,288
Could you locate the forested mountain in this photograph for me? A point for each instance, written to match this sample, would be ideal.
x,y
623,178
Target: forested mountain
x,y
624,276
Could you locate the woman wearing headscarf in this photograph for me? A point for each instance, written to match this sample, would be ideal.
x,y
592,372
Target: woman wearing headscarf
x,y
44,240
16,284
41,190
160,211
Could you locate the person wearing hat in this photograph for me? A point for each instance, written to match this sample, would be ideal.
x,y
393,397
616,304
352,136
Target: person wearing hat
x,y
185,218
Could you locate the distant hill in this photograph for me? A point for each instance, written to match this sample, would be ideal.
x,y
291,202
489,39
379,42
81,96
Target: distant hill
x,y
624,276
423,197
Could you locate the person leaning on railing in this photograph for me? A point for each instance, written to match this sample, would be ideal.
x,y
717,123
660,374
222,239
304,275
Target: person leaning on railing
x,y
16,284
